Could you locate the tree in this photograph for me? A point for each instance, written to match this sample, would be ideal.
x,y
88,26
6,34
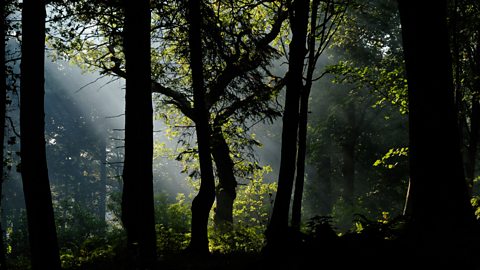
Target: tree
x,y
464,23
3,109
278,225
321,30
137,198
440,209
38,199
360,115
203,202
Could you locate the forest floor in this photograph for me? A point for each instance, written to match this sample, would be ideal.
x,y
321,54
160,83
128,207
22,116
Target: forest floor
x,y
358,255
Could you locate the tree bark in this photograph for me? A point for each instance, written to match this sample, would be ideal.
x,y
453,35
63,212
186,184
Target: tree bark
x,y
440,209
137,198
226,189
36,187
202,203
278,226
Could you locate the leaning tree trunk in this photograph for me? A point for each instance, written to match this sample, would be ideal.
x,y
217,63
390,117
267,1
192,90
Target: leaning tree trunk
x,y
202,204
440,209
226,188
36,186
137,198
278,226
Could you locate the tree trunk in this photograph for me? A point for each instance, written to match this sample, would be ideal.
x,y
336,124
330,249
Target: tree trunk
x,y
327,190
348,170
36,187
440,209
472,148
348,153
226,189
137,199
302,151
102,190
278,226
303,119
202,204
473,141
3,108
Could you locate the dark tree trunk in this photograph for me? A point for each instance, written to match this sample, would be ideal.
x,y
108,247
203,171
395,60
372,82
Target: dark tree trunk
x,y
348,154
278,226
472,149
302,151
3,108
102,190
348,171
303,120
36,187
226,189
202,204
327,190
471,161
440,209
137,199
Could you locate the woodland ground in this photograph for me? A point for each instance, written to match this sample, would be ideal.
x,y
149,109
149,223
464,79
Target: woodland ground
x,y
341,255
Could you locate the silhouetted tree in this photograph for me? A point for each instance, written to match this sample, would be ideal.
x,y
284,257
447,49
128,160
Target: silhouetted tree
x,y
203,202
324,19
38,199
278,226
137,198
442,216
3,108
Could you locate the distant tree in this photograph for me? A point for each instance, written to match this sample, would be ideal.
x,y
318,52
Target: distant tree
x,y
38,199
362,115
464,23
203,202
442,216
137,198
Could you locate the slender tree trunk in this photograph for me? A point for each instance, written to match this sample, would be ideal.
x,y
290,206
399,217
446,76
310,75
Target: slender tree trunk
x,y
348,153
3,108
327,185
473,142
348,170
36,187
137,199
440,209
102,190
472,149
226,189
302,151
278,225
303,120
202,204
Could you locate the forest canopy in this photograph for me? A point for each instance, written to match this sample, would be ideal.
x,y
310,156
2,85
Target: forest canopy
x,y
226,134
